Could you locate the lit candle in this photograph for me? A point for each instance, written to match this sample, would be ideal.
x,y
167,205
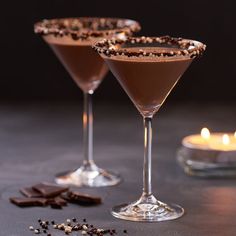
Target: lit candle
x,y
211,141
205,134
225,139
209,154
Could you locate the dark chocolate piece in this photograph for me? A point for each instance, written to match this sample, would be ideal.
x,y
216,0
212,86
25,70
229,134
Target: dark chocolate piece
x,y
49,190
29,192
57,202
60,201
28,202
82,199
55,205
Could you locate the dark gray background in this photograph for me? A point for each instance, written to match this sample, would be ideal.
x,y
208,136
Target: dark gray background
x,y
29,70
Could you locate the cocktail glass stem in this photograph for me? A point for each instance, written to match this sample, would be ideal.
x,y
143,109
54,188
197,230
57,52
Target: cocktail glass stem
x,y
147,207
88,129
89,174
147,196
147,162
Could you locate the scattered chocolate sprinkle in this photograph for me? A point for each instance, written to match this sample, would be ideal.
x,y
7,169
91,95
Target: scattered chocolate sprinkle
x,y
85,229
83,28
186,47
37,231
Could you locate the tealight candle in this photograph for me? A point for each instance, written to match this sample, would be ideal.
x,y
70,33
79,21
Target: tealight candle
x,y
214,141
209,154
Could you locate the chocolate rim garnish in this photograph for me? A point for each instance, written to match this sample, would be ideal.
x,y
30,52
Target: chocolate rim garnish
x,y
187,47
82,28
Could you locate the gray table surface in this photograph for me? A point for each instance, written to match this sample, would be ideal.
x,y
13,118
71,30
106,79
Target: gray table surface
x,y
39,140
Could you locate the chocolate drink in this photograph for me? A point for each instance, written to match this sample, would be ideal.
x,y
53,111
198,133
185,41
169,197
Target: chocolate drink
x,y
71,39
85,66
148,80
148,68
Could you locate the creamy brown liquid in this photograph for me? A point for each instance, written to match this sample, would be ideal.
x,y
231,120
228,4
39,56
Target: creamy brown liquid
x,y
148,80
85,66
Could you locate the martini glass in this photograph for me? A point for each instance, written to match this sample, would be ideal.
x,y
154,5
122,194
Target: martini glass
x,y
71,40
148,68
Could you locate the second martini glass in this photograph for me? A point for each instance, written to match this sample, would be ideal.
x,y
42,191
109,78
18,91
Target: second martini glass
x,y
71,40
147,69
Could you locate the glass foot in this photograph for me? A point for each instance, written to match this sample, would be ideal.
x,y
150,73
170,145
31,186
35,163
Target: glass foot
x,y
88,176
147,209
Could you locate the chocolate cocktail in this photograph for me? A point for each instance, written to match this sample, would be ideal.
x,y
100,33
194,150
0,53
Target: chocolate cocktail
x,y
71,40
148,68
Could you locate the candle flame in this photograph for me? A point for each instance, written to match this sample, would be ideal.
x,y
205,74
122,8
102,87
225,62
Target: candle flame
x,y
205,133
235,134
225,139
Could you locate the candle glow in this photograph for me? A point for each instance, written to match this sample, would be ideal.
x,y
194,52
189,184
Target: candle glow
x,y
225,139
205,133
211,141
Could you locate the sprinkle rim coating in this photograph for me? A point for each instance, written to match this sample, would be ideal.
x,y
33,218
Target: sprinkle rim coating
x,y
82,28
187,47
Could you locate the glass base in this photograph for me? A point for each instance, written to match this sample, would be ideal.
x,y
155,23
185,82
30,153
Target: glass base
x,y
147,209
88,176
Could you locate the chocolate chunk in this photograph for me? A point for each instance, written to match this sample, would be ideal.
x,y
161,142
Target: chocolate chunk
x,y
60,201
55,205
82,199
57,202
29,192
28,202
49,190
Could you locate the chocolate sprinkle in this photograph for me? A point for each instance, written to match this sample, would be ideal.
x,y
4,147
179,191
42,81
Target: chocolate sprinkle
x,y
83,28
84,228
185,47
